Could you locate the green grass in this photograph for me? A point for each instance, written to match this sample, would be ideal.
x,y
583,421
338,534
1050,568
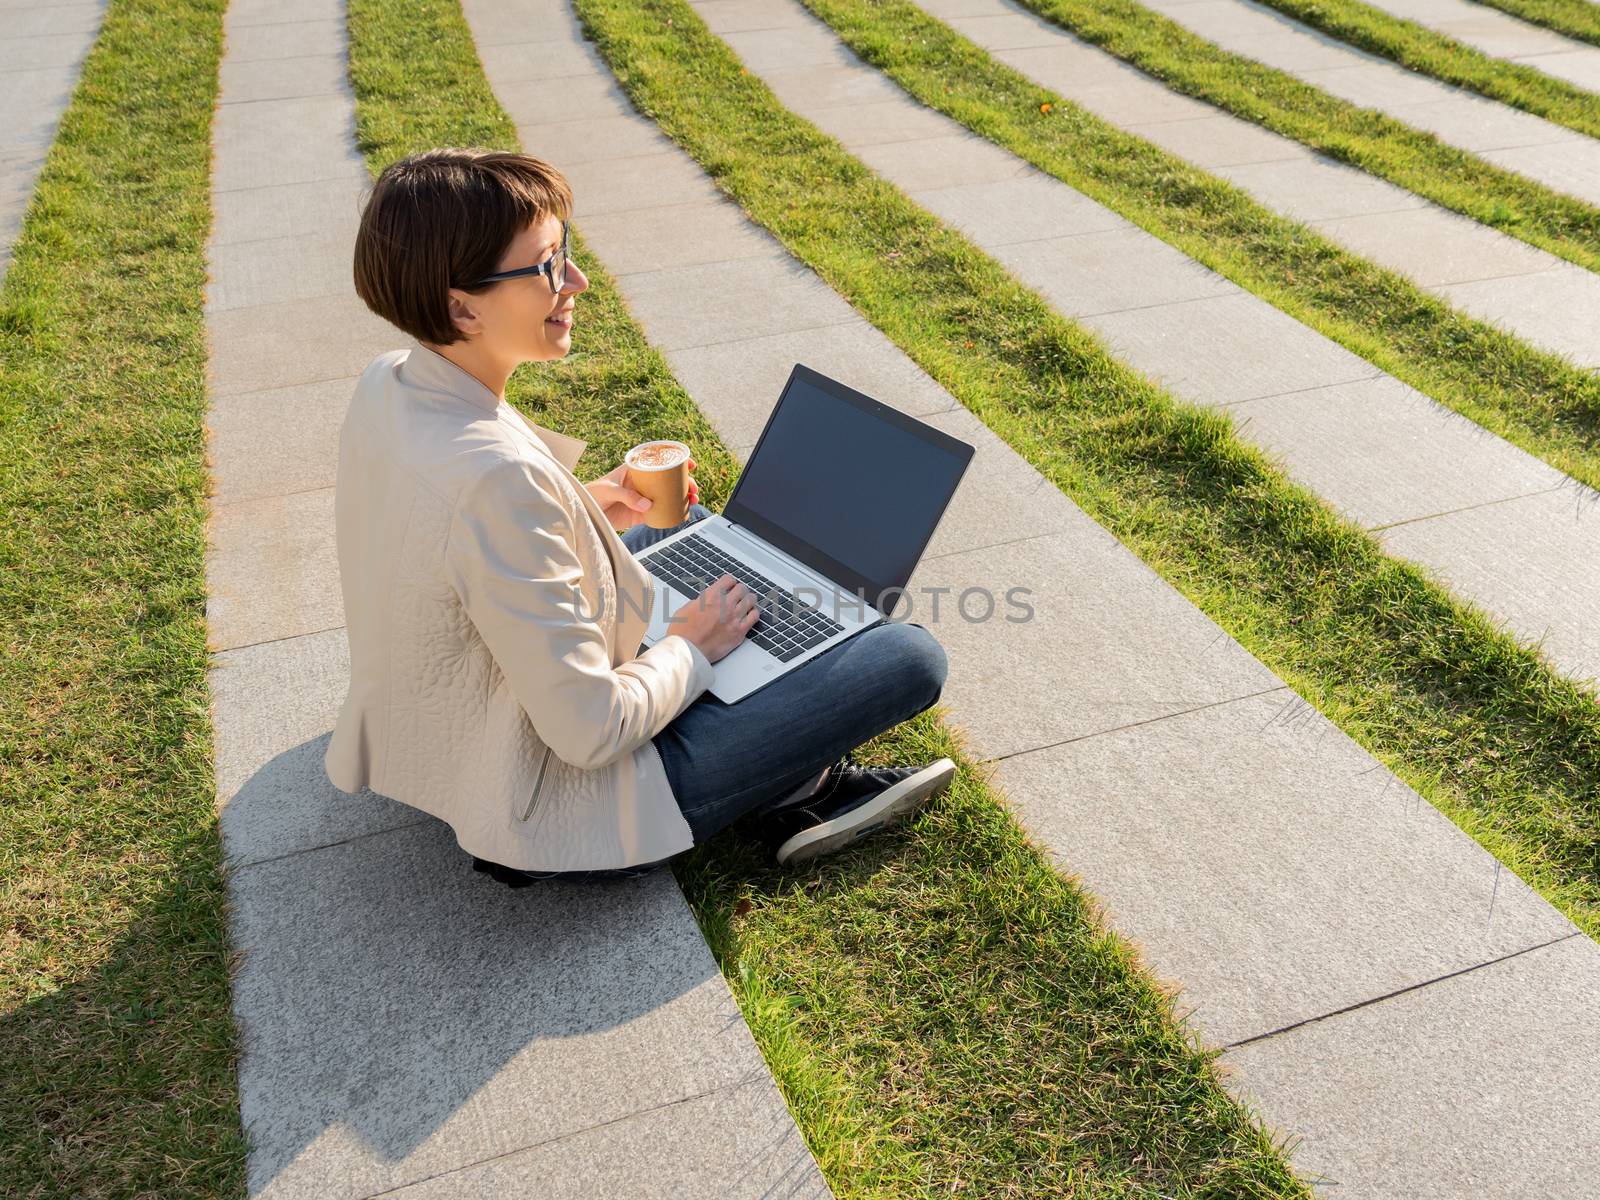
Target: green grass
x,y
1426,50
1487,732
116,1038
1024,1051
1533,398
1576,18
1362,137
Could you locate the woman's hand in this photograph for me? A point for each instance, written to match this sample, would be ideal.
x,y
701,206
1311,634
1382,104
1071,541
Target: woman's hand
x,y
623,506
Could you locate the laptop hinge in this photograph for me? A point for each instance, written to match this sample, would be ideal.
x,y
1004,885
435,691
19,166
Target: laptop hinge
x,y
768,548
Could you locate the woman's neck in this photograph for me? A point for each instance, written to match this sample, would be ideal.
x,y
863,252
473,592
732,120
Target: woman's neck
x,y
471,359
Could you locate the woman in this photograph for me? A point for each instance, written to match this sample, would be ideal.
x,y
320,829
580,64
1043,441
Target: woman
x,y
495,615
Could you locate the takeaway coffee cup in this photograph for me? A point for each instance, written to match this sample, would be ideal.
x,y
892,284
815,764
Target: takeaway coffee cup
x,y
660,470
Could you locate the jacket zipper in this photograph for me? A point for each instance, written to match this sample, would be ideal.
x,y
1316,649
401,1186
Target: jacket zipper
x,y
538,783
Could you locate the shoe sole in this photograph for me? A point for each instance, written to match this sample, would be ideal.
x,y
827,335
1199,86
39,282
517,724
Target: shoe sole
x,y
891,805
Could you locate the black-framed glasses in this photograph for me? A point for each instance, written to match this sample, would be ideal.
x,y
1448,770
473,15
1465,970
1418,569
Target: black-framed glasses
x,y
555,267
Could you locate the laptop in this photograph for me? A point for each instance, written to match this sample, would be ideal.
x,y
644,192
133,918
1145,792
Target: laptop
x,y
826,524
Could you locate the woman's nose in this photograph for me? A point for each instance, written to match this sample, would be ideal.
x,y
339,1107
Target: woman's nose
x,y
576,280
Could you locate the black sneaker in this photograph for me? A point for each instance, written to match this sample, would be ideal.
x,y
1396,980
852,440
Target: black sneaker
x,y
853,802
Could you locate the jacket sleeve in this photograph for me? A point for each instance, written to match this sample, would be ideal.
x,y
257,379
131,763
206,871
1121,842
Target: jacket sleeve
x,y
511,556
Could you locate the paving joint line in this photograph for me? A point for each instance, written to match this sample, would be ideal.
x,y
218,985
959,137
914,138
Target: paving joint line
x,y
1259,1037
247,864
1450,512
997,758
562,1137
732,341
288,637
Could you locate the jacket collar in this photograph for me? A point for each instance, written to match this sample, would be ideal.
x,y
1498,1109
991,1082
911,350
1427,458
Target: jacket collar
x,y
430,369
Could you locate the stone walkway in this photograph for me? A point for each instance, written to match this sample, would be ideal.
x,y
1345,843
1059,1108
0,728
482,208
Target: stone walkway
x,y
1504,36
1502,528
1323,921
408,1026
42,49
1518,141
1544,300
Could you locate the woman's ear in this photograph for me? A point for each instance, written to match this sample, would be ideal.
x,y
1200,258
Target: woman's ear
x,y
464,312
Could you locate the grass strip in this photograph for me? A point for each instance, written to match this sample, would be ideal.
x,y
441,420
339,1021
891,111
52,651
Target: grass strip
x,y
1418,48
116,1035
1576,18
941,1010
1533,398
1488,733
1362,137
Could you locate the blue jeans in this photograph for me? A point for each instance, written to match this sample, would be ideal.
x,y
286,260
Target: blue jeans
x,y
726,760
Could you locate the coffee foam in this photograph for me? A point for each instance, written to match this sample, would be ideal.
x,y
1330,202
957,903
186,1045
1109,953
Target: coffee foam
x,y
657,456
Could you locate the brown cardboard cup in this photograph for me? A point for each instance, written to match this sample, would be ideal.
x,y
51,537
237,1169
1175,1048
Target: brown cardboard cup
x,y
666,485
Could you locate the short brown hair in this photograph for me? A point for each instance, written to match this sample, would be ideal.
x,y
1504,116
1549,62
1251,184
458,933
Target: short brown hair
x,y
441,219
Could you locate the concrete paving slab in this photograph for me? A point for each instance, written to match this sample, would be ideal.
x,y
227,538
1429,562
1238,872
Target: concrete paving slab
x,y
1316,188
1137,99
1476,124
272,569
273,142
1382,452
1219,141
1429,245
1002,500
1551,596
1578,67
1028,208
1503,1057
786,49
318,208
1268,863
271,270
736,16
33,102
273,707
684,235
1093,641
692,1148
283,78
737,383
939,162
591,139
1559,305
1118,269
288,39
511,25
1572,166
39,63
533,61
581,96
31,20
1395,228
871,124
456,1020
278,12
41,50
632,184
1503,36
278,441
295,342
1209,351
719,308
1271,38
1054,58
1003,31
808,89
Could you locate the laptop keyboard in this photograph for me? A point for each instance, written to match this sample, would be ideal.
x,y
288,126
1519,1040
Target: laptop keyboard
x,y
786,628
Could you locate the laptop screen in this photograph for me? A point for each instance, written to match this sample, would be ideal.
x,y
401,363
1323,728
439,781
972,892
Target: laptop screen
x,y
847,485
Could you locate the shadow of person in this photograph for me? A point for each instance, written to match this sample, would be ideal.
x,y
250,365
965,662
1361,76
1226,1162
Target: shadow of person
x,y
401,1015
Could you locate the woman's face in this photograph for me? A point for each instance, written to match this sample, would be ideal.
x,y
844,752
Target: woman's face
x,y
522,320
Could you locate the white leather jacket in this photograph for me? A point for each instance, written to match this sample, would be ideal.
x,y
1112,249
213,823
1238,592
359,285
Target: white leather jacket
x,y
494,619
